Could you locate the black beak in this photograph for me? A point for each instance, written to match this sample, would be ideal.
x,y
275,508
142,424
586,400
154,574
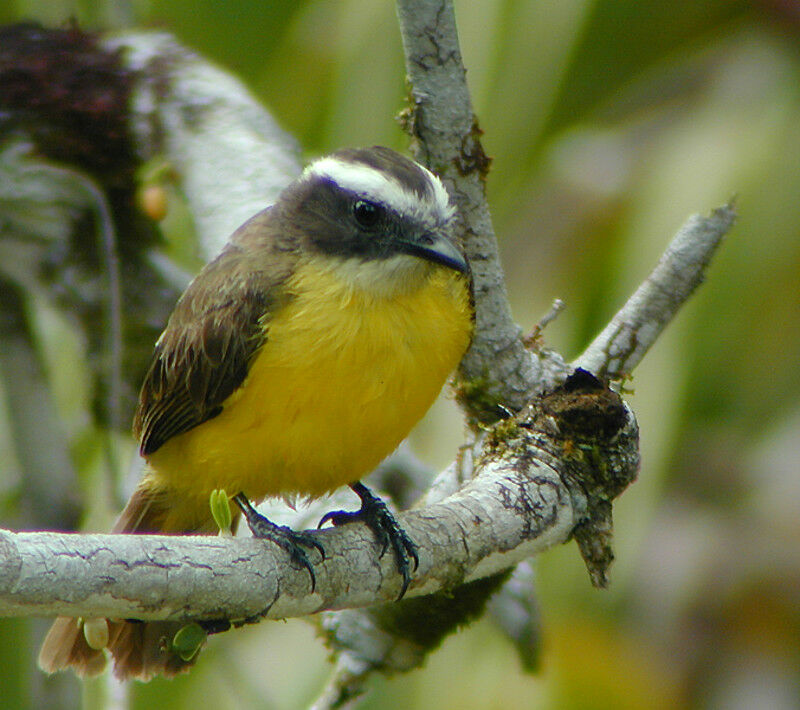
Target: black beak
x,y
436,247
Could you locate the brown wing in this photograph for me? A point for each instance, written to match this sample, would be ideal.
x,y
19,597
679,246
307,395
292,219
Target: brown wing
x,y
204,353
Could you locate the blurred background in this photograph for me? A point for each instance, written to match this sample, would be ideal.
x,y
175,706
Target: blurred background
x,y
609,122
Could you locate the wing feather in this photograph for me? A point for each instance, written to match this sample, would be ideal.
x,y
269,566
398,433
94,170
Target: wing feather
x,y
212,336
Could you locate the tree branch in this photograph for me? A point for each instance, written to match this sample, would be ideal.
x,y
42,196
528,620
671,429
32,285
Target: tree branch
x,y
616,351
527,495
228,152
497,369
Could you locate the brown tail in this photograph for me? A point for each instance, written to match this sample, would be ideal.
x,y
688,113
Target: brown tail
x,y
140,650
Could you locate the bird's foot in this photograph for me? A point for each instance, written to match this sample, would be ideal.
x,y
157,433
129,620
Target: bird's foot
x,y
290,540
378,518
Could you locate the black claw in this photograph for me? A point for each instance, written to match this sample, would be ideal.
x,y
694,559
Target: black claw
x,y
387,532
336,517
282,535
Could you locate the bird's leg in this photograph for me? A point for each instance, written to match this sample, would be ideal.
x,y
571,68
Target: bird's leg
x,y
282,535
377,517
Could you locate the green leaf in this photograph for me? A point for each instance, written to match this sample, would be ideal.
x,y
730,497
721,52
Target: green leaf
x,y
187,642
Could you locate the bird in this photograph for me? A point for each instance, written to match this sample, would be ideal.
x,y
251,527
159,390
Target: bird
x,y
293,363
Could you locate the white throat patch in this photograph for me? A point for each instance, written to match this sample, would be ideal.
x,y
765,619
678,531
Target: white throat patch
x,y
382,278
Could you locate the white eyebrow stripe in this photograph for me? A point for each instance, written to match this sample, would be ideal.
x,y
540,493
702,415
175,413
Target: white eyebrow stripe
x,y
375,185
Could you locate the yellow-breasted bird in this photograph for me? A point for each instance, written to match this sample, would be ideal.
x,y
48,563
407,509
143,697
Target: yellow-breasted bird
x,y
293,363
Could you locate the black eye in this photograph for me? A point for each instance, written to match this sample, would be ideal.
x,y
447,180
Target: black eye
x,y
367,214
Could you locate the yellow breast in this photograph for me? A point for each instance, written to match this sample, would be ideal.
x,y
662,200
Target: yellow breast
x,y
343,376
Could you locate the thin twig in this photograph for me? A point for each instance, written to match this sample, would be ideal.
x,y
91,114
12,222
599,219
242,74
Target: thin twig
x,y
638,324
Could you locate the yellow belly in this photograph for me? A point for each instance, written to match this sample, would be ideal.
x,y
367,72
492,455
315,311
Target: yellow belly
x,y
342,378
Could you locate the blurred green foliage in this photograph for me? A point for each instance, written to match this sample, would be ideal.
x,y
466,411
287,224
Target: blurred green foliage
x,y
609,122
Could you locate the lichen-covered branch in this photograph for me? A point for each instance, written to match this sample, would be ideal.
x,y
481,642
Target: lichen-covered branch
x,y
529,492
